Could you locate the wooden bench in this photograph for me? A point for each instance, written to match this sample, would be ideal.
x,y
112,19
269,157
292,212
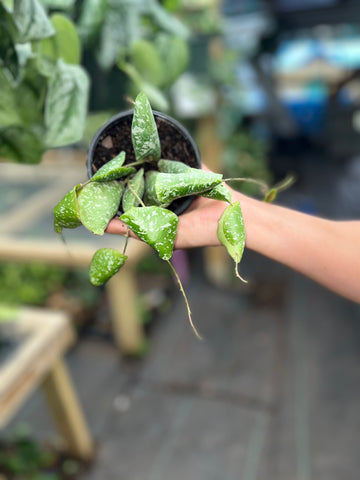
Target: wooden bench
x,y
38,360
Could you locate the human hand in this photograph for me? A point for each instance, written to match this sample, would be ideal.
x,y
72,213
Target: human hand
x,y
197,225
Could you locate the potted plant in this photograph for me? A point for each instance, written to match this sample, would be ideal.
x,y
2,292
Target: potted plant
x,y
129,177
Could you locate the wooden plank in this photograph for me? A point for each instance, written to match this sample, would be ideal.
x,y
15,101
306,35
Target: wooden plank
x,y
122,293
49,336
22,216
67,412
55,252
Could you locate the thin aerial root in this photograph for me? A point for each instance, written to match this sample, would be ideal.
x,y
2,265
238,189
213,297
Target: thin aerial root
x,y
186,301
126,240
238,274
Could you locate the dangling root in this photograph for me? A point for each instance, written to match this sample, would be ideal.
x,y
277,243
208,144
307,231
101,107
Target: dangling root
x,y
186,300
238,274
126,240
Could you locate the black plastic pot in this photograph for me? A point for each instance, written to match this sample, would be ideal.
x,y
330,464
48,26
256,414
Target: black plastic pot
x,y
115,136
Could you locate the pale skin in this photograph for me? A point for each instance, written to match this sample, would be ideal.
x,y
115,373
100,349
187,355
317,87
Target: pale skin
x,y
326,251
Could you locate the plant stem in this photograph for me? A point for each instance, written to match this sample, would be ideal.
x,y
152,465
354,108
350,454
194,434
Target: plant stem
x,y
185,298
135,164
135,195
126,239
263,185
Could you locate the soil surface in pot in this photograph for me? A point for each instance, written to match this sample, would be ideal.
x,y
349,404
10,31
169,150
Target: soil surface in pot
x,y
117,137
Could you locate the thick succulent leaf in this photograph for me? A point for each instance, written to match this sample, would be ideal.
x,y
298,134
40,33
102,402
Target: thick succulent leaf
x,y
113,170
66,105
134,191
31,20
66,212
150,195
144,131
231,231
220,192
98,203
163,188
172,166
154,225
104,264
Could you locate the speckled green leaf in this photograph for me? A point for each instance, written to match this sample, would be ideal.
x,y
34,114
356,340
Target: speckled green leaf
x,y
163,188
172,166
144,132
104,264
98,203
231,231
113,170
154,225
135,184
220,192
66,212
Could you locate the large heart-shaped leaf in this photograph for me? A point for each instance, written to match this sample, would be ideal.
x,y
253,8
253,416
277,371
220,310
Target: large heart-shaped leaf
x,y
104,264
154,225
98,203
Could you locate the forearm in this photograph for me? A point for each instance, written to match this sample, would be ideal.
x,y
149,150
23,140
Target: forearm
x,y
326,251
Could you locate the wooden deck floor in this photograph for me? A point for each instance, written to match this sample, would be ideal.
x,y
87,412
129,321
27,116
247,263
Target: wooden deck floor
x,y
271,393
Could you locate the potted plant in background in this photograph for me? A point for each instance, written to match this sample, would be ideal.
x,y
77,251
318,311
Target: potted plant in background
x,y
44,90
129,177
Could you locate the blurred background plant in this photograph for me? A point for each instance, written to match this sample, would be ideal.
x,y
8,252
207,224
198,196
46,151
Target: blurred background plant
x,y
40,284
22,457
43,88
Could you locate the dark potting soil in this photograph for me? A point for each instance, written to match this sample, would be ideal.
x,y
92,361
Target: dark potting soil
x,y
117,138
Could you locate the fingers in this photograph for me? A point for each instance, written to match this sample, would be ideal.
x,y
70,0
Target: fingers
x,y
117,227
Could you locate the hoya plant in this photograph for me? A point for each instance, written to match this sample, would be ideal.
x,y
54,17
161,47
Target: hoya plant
x,y
142,191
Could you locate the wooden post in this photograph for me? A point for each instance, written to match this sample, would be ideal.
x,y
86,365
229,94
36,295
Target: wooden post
x,y
128,331
67,412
